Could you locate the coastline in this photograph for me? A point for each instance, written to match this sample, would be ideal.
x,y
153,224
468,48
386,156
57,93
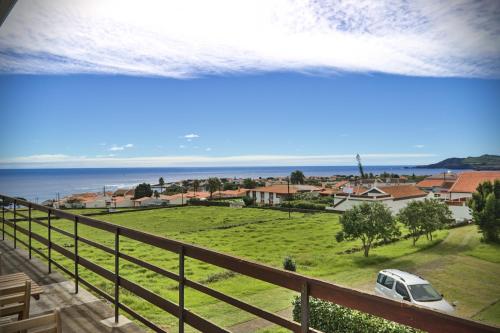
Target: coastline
x,y
43,184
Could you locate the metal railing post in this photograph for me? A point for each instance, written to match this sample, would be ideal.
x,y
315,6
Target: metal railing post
x,y
29,230
181,290
76,253
3,218
304,308
117,274
50,241
15,225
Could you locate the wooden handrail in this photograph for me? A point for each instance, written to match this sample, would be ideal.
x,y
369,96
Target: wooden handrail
x,y
400,312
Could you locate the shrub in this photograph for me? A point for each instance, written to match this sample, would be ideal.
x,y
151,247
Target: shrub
x,y
248,201
289,264
304,205
332,318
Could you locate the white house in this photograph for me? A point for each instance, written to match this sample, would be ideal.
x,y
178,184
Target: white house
x,y
395,197
183,198
125,201
467,183
275,194
150,201
97,202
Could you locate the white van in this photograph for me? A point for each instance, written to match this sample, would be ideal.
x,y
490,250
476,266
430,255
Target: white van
x,y
399,286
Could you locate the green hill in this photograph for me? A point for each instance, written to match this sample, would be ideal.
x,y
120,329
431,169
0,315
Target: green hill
x,y
483,162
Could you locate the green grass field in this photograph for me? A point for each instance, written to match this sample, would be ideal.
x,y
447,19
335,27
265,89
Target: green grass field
x,y
456,262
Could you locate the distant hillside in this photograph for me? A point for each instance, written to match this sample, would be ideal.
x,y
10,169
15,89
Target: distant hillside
x,y
484,162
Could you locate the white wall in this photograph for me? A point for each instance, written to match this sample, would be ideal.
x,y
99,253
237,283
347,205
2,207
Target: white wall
x,y
276,199
98,203
457,195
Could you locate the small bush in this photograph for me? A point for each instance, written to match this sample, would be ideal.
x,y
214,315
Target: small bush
x,y
329,318
289,264
304,205
248,201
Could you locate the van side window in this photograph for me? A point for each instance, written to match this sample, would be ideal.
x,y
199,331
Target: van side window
x,y
380,278
401,289
388,282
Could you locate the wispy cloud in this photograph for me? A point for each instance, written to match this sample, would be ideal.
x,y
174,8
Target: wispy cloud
x,y
191,136
419,146
120,148
61,160
183,39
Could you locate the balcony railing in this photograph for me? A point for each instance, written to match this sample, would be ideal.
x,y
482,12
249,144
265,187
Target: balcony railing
x,y
400,312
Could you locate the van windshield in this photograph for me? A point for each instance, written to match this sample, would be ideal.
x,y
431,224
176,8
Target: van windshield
x,y
424,293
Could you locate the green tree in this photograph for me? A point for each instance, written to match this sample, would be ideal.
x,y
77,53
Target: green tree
x,y
249,183
213,185
143,190
297,177
230,186
161,182
156,194
196,185
424,217
368,222
485,205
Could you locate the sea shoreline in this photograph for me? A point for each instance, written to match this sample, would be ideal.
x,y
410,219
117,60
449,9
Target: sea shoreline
x,y
43,184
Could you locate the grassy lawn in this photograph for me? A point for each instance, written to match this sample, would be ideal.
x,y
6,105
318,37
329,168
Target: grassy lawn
x,y
456,262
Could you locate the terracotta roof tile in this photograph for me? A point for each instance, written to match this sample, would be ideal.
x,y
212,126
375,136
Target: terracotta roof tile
x,y
467,182
430,183
280,189
403,191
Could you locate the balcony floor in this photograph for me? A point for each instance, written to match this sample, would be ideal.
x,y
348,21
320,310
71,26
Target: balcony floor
x,y
82,312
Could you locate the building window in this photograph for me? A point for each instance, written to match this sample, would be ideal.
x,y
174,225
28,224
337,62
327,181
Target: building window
x,y
262,197
271,198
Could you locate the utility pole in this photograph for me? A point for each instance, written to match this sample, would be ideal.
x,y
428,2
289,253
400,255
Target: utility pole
x,y
288,197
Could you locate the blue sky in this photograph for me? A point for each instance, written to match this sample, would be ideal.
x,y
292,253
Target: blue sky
x,y
99,85
268,114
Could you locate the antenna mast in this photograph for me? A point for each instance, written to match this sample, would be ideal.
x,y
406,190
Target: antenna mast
x,y
360,166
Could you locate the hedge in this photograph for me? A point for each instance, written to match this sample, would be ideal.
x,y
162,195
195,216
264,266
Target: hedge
x,y
332,318
304,205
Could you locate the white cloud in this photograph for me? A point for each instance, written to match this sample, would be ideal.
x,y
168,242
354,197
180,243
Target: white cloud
x,y
191,136
182,146
419,146
208,149
61,160
120,148
183,39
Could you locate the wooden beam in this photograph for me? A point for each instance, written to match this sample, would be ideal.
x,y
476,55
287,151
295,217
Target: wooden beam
x,y
5,8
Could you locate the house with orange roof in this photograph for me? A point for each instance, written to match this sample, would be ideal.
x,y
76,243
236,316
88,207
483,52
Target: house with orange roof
x,y
183,198
467,183
150,201
85,200
395,197
122,201
437,183
239,193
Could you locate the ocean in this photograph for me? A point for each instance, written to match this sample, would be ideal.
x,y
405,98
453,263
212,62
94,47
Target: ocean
x,y
41,184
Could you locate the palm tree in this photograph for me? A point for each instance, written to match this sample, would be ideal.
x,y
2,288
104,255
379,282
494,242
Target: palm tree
x,y
196,185
297,177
